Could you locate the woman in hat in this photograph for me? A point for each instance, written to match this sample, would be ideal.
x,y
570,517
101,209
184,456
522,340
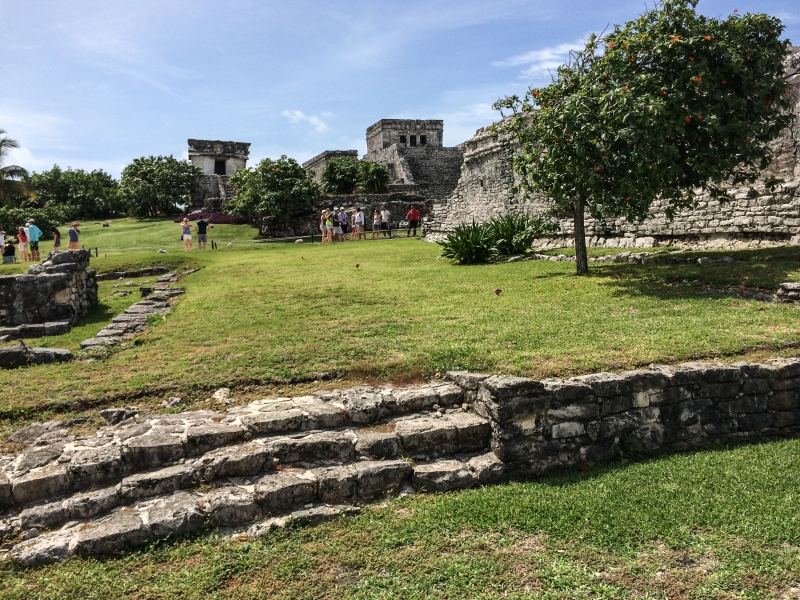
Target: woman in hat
x,y
186,234
22,238
74,233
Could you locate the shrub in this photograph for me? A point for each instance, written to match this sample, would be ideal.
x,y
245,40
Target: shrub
x,y
469,244
157,185
514,234
373,178
13,218
341,175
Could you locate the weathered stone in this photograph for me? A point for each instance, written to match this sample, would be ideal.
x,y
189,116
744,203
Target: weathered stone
x,y
443,476
281,491
466,380
311,517
45,482
362,406
38,456
207,437
153,449
487,467
112,416
319,415
414,399
422,435
113,533
568,429
157,482
472,431
50,548
327,445
43,516
5,489
376,478
229,506
97,465
377,445
236,461
91,504
177,514
273,422
335,484
29,434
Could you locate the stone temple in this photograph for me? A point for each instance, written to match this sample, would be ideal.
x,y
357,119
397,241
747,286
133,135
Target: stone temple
x,y
218,161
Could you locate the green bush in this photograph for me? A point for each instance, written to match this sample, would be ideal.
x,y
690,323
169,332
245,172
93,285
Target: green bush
x,y
373,178
469,244
12,218
341,175
514,234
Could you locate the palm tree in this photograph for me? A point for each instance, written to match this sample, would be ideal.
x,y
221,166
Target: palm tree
x,y
11,176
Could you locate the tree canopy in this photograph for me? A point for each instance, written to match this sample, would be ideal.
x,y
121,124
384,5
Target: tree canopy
x,y
77,193
11,177
346,174
157,185
667,106
276,188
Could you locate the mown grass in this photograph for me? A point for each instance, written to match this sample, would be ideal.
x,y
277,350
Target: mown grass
x,y
713,524
270,314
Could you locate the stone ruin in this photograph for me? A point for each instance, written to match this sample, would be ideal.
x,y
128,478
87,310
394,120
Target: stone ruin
x,y
316,166
49,298
218,161
279,461
487,180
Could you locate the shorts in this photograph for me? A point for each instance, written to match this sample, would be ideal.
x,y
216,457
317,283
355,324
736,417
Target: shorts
x,y
8,260
337,230
359,228
202,238
23,246
329,227
322,228
56,245
384,226
187,238
35,246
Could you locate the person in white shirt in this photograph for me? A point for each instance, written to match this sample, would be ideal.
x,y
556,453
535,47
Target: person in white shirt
x,y
386,221
2,237
358,223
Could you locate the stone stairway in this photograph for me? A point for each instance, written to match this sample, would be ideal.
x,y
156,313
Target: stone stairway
x,y
142,478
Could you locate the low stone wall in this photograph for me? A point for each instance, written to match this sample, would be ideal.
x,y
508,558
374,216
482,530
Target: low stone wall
x,y
539,425
305,224
144,272
59,289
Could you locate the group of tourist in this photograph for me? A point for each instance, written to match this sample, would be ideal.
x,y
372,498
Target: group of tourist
x,y
28,238
335,223
202,234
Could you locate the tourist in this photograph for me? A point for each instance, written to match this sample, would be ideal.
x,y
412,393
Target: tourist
x,y
358,221
386,221
322,225
74,234
376,224
202,233
413,221
343,222
56,238
186,234
34,235
329,225
2,237
9,255
337,226
22,238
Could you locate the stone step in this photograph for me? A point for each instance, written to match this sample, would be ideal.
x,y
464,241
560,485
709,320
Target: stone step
x,y
57,463
421,436
292,495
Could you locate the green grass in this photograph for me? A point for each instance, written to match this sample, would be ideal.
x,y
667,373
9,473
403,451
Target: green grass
x,y
713,524
264,314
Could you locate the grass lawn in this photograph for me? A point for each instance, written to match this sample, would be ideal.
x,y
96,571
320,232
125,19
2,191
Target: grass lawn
x,y
713,524
270,314
719,523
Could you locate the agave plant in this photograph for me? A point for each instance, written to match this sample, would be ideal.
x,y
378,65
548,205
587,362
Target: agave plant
x,y
469,244
514,234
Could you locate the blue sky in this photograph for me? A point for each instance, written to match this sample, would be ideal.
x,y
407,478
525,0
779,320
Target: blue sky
x,y
94,84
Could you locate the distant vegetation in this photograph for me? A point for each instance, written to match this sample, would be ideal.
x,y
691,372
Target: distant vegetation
x,y
345,175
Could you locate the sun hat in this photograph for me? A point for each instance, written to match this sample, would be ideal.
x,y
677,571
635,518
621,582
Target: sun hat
x,y
75,224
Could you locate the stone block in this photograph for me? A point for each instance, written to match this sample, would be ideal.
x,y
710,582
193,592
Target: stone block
x,y
230,506
38,456
568,429
121,530
152,483
787,368
202,438
153,449
422,435
320,415
377,445
177,514
449,394
50,548
314,448
755,421
574,411
486,467
43,516
472,432
336,485
260,423
91,504
362,405
95,466
377,477
466,380
5,490
683,414
783,401
237,461
714,373
281,491
45,482
443,476
503,388
414,399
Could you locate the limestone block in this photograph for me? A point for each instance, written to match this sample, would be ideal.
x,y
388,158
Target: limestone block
x,y
123,529
327,445
568,429
153,449
449,394
321,415
466,380
443,476
472,432
414,399
5,490
164,480
203,438
45,549
45,482
272,422
95,466
421,435
311,517
377,477
38,456
377,445
362,405
336,484
229,506
237,461
486,467
91,504
281,491
177,514
43,516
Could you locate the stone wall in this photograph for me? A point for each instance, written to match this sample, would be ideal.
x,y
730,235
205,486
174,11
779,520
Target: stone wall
x,y
429,171
405,132
487,177
59,289
305,223
538,425
211,192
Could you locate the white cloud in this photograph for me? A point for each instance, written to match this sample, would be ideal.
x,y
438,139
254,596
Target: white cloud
x,y
315,122
540,62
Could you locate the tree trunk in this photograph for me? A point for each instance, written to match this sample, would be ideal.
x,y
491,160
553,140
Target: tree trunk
x,y
581,260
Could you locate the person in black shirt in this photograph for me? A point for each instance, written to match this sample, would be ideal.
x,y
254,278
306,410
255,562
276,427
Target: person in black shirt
x,y
202,230
9,253
56,239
